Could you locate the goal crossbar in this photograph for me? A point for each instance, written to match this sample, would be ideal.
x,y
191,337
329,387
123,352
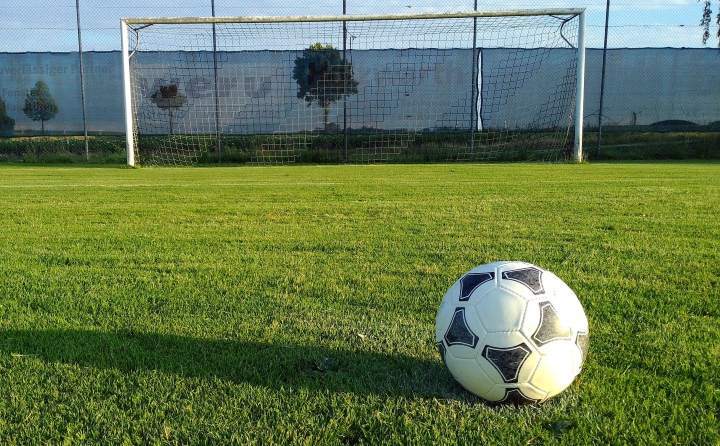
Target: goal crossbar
x,y
572,12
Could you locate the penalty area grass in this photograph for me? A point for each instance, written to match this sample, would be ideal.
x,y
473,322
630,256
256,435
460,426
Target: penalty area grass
x,y
296,305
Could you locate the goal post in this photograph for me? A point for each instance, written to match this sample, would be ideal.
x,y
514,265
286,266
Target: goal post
x,y
127,96
578,154
479,85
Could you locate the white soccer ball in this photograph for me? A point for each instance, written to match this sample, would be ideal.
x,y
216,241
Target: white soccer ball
x,y
511,332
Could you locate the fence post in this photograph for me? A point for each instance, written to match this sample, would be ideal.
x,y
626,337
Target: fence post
x,y
82,79
602,80
345,82
218,144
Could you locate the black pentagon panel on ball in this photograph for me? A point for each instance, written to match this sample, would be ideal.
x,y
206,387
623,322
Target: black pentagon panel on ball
x,y
471,282
507,361
517,398
530,277
459,333
583,342
551,328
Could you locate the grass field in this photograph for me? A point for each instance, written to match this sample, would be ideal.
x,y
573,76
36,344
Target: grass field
x,y
296,305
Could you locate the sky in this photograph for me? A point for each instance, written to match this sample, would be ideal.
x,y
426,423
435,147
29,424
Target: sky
x,y
49,25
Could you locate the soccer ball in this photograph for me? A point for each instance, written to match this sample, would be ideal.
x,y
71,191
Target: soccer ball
x,y
511,332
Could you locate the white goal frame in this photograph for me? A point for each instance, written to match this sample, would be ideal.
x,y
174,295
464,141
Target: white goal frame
x,y
579,12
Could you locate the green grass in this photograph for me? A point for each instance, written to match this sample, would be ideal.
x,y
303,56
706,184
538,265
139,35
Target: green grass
x,y
296,305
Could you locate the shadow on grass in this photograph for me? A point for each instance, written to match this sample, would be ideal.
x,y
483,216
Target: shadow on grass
x,y
269,365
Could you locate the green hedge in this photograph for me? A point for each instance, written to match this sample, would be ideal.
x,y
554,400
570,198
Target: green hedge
x,y
646,145
638,144
62,149
435,146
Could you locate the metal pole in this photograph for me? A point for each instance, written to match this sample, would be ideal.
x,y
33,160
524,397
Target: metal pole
x,y
129,131
473,101
218,144
82,79
602,81
580,93
345,82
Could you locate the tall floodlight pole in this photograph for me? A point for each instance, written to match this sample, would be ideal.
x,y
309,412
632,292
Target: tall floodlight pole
x,y
474,80
345,83
82,78
218,144
602,80
580,93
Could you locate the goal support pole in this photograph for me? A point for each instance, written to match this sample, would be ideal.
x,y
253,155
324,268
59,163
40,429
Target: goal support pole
x,y
580,93
474,85
127,92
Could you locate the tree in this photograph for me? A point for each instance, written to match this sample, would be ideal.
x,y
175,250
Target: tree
x,y
323,77
707,20
40,105
7,124
168,97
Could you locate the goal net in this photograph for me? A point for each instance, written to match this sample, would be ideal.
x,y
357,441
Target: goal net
x,y
360,89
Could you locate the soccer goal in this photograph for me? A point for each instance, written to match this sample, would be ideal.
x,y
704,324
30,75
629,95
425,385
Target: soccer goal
x,y
475,86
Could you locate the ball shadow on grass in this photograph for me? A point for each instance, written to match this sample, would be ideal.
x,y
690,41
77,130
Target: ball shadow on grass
x,y
265,364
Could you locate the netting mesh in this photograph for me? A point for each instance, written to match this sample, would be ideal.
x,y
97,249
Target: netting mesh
x,y
490,88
